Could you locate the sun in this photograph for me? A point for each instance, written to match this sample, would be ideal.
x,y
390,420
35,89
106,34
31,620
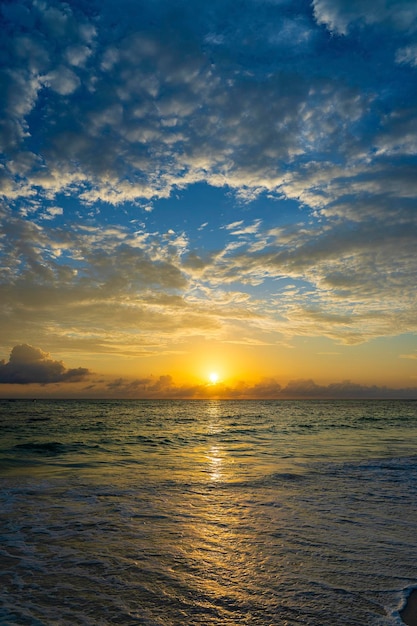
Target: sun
x,y
213,377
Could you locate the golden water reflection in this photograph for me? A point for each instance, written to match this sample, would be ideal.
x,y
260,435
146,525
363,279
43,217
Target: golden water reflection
x,y
215,454
221,552
215,463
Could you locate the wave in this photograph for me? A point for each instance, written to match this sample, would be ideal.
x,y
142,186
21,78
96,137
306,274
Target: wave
x,y
53,448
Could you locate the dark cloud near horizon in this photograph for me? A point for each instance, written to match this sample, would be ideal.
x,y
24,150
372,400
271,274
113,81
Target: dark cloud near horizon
x,y
164,387
28,364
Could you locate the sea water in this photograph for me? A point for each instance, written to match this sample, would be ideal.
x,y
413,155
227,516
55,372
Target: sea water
x,y
169,513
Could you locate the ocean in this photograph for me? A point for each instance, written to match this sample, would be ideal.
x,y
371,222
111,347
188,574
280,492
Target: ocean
x,y
172,513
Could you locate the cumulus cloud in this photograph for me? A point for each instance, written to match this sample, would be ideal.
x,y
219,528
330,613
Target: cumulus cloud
x,y
127,113
62,80
176,105
28,364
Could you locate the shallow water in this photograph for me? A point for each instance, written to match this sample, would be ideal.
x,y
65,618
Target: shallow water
x,y
207,512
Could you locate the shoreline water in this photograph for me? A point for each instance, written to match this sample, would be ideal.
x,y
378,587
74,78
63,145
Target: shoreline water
x,y
212,513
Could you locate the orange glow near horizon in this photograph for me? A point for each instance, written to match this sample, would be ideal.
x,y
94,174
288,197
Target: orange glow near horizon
x,y
216,369
213,363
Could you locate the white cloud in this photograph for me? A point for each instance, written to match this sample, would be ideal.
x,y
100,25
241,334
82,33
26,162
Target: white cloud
x,y
77,55
52,212
62,80
339,15
407,55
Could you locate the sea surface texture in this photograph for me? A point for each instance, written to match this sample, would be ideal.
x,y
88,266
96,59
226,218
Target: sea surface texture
x,y
173,513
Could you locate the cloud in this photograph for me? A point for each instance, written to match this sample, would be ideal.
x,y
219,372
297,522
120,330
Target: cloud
x,y
345,389
134,113
268,388
109,108
407,55
139,293
28,364
153,387
340,15
350,283
62,80
128,113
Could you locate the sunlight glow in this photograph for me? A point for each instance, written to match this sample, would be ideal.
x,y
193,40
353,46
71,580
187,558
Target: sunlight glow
x,y
214,378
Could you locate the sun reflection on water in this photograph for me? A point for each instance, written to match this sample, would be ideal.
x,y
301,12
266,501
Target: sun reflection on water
x,y
220,547
215,454
215,460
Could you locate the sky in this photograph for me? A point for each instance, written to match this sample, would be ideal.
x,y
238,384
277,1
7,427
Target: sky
x,y
208,199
